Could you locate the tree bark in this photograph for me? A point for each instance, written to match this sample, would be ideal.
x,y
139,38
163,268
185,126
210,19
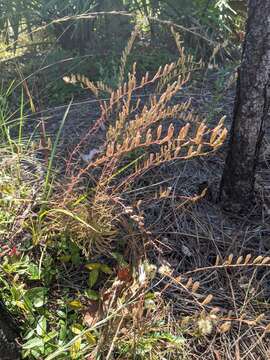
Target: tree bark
x,y
251,111
8,334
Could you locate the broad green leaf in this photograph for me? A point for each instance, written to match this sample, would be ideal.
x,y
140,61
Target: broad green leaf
x,y
33,272
32,343
63,332
50,336
75,348
16,293
42,326
91,339
93,276
37,296
97,266
106,269
76,329
29,335
75,305
91,294
93,266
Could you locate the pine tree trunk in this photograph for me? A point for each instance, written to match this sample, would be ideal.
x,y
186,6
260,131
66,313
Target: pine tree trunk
x,y
251,111
8,334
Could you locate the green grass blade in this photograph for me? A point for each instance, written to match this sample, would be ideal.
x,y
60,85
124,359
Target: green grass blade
x,y
71,215
47,185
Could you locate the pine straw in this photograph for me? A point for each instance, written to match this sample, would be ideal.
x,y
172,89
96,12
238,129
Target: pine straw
x,y
189,232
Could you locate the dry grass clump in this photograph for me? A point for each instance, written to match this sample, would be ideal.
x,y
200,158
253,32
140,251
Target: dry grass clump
x,y
136,134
